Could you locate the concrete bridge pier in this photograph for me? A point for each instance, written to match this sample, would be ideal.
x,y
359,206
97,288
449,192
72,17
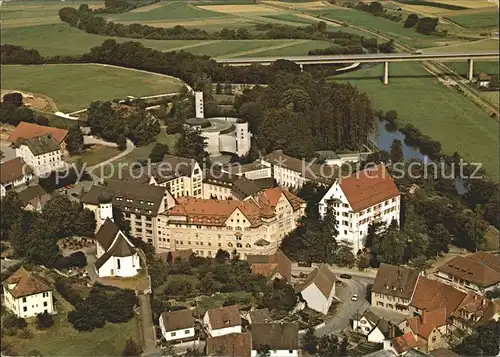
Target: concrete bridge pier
x,y
301,67
470,73
386,72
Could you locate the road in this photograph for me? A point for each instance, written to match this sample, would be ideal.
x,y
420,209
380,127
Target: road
x,y
362,58
147,328
128,150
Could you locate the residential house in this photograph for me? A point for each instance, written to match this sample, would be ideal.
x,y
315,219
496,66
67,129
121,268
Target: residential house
x,y
360,199
394,287
293,173
431,295
375,328
42,153
277,339
27,295
478,272
223,185
429,329
141,205
116,254
30,130
483,79
402,345
273,266
244,188
180,175
34,198
259,316
474,311
230,345
177,325
14,173
318,290
222,321
253,226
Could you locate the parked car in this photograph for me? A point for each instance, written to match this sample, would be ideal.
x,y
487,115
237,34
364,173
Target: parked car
x,y
75,194
354,297
345,276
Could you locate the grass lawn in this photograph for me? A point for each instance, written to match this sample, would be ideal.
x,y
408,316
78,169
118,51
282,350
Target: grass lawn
x,y
138,154
95,155
441,112
226,47
73,87
168,139
482,18
63,340
492,96
461,68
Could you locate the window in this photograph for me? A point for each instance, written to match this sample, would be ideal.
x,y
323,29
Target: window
x,y
172,334
45,304
186,332
118,263
290,351
24,299
25,308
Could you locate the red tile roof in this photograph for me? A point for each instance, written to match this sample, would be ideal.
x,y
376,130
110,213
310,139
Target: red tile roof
x,y
25,283
404,343
222,317
474,268
215,212
424,324
268,265
368,187
230,345
29,130
431,295
13,170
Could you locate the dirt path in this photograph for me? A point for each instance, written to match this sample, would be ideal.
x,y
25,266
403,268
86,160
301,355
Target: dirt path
x,y
191,45
263,49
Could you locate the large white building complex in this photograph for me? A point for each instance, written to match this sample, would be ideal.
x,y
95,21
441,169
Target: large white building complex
x,y
42,153
222,134
360,199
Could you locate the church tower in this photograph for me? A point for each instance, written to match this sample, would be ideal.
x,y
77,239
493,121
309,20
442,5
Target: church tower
x,y
105,207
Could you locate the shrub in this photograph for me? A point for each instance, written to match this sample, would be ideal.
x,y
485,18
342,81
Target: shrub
x,y
64,288
12,321
44,321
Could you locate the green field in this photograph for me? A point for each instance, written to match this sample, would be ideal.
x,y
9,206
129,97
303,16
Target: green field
x,y
486,67
479,19
485,45
493,96
73,87
441,112
379,24
297,49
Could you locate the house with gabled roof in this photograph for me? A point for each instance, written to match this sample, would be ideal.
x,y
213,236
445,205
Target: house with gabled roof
x,y
318,290
14,173
277,265
26,294
429,329
116,254
259,316
222,320
278,339
375,328
394,287
26,130
230,345
478,272
41,153
177,325
362,198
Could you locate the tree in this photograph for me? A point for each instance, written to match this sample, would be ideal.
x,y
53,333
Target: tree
x,y
11,207
192,145
13,99
218,88
264,351
411,21
44,321
345,256
61,213
310,341
207,284
427,25
344,345
483,342
328,345
158,152
83,8
390,246
120,306
74,140
122,142
440,239
375,8
222,256
397,151
85,223
89,314
321,26
420,263
131,349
